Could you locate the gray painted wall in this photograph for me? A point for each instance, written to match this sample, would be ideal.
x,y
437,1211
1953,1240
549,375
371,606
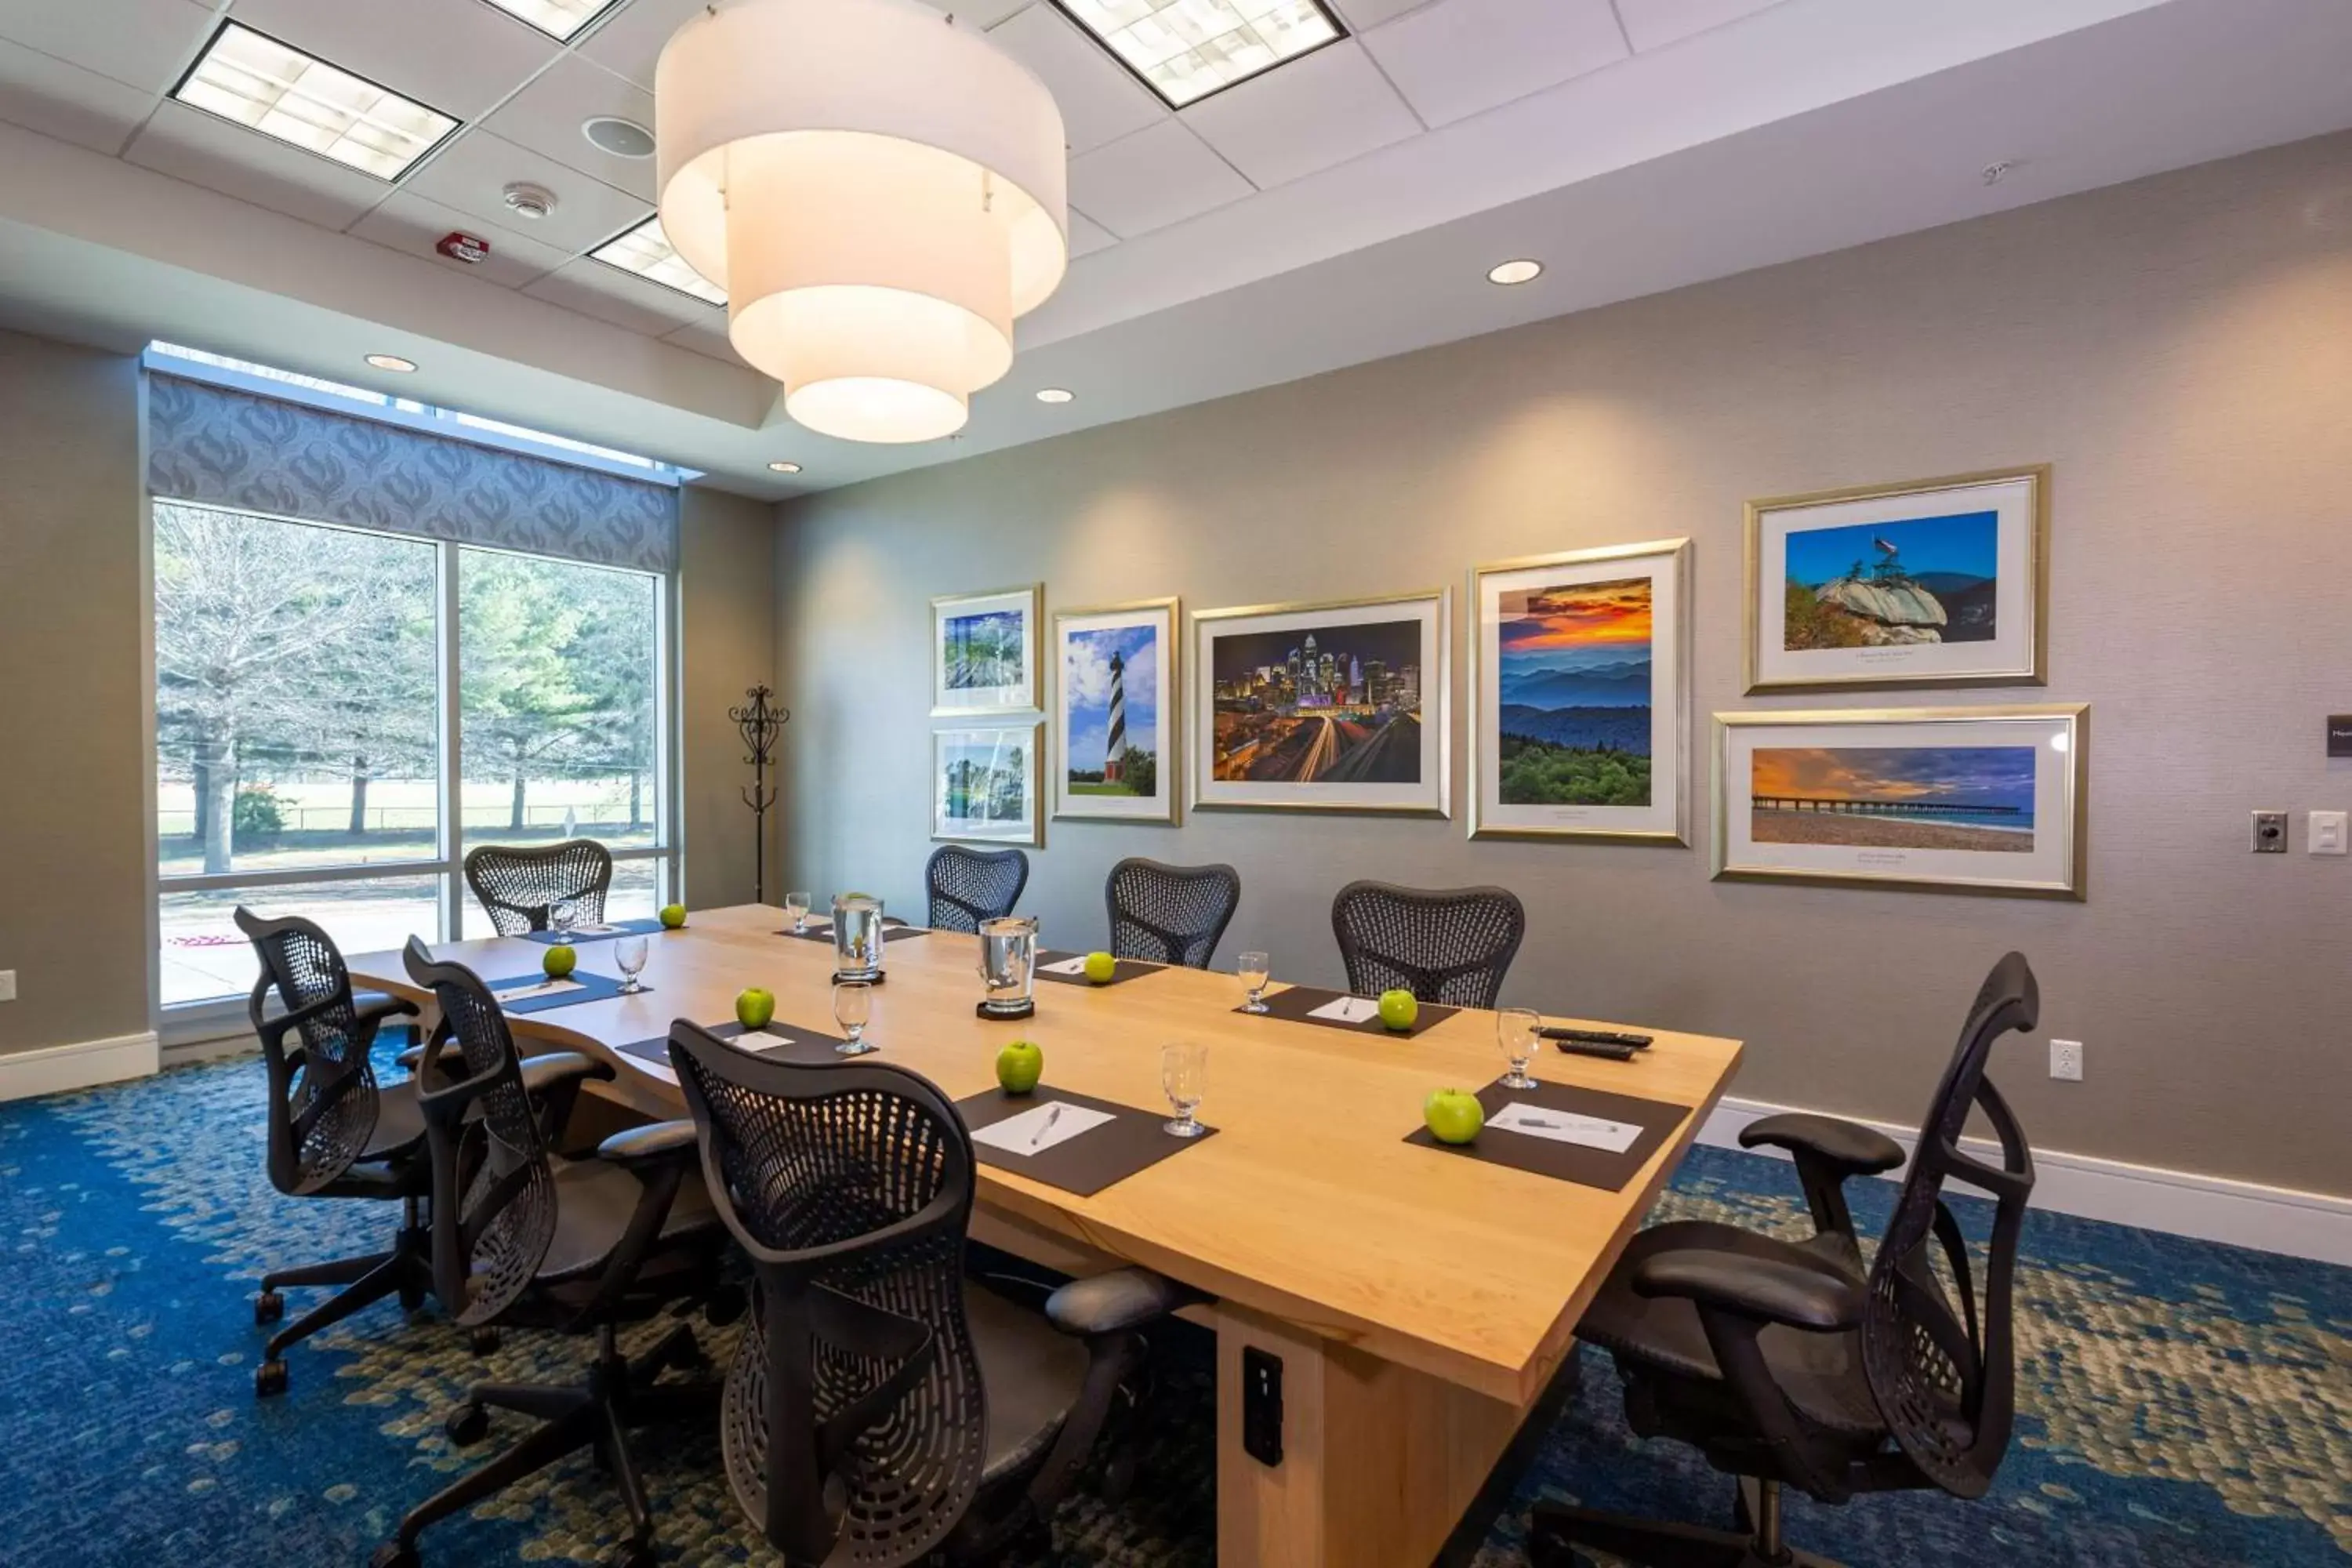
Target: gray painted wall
x,y
727,642
2180,348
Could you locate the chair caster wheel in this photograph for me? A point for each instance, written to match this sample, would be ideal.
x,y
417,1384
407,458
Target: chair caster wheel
x,y
269,1307
1117,1478
269,1379
392,1554
468,1424
482,1341
726,1305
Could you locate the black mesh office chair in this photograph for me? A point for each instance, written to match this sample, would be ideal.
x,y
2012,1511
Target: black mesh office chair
x,y
969,885
1169,914
882,1409
1784,1364
517,883
520,1235
333,1131
1451,946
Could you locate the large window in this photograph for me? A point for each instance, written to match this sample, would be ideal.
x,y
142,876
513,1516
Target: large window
x,y
340,715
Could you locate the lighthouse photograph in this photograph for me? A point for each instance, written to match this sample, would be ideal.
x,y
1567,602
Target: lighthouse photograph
x,y
1115,699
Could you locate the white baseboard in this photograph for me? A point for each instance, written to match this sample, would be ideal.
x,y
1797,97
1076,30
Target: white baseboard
x,y
2180,1203
53,1070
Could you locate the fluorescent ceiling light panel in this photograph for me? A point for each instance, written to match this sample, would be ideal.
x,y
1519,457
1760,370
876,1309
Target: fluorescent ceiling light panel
x,y
646,251
266,86
556,19
1187,49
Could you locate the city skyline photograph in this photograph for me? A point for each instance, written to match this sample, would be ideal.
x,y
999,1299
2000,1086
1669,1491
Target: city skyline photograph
x,y
1338,704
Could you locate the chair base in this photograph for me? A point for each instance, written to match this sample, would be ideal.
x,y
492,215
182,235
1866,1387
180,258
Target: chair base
x,y
405,1271
620,1393
1556,1533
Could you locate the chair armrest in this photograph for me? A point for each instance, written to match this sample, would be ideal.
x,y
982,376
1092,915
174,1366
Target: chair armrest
x,y
640,1147
1765,1289
410,1058
1855,1149
1120,1299
540,1072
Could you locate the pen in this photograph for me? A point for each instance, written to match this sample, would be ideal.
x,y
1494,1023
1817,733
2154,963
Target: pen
x,y
1046,1126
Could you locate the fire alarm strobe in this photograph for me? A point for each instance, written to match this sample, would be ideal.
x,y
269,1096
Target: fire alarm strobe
x,y
459,246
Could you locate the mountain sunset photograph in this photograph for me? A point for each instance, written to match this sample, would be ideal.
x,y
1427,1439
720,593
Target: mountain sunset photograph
x,y
1574,683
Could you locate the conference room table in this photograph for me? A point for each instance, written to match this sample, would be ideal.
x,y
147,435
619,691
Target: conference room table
x,y
1420,1302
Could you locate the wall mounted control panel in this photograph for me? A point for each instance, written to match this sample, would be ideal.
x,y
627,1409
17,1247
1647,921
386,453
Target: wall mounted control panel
x,y
2270,833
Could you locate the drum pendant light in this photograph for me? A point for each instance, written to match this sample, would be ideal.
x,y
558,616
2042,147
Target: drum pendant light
x,y
880,191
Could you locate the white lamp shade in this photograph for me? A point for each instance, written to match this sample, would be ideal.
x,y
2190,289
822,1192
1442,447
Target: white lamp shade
x,y
880,193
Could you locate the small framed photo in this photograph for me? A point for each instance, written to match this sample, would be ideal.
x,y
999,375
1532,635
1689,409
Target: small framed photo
x,y
984,783
984,653
1579,695
1115,682
1986,800
1937,582
1329,707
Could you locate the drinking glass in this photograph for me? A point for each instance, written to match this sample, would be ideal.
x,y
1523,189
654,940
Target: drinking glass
x,y
1515,1032
563,915
852,1003
797,906
1183,1073
1254,969
629,955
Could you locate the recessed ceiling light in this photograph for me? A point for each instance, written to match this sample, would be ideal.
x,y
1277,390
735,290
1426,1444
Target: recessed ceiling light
x,y
556,19
620,138
1055,394
1511,272
785,467
391,361
255,80
646,251
1186,49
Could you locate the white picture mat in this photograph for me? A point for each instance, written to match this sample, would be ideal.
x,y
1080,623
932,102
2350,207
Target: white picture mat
x,y
1158,807
1012,697
997,739
1564,1127
1430,794
1029,1132
1667,719
2010,651
2050,863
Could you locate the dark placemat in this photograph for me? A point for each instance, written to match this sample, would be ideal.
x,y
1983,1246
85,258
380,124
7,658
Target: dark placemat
x,y
1094,1159
1128,969
1568,1161
591,988
892,929
1295,1004
644,927
811,1047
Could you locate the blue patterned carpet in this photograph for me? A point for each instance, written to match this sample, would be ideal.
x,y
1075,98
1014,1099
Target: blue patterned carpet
x,y
2183,1404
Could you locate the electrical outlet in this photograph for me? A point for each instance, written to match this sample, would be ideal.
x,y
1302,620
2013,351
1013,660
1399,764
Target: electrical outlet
x,y
7,986
2270,833
2066,1060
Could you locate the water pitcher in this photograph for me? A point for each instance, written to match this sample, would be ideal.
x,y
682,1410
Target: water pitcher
x,y
856,937
1008,966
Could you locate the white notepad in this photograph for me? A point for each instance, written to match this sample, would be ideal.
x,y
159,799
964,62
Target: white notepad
x,y
1565,1127
1347,1010
594,930
1064,966
1040,1128
543,988
759,1040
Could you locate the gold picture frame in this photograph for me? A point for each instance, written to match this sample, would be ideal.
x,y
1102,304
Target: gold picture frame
x,y
1430,794
1920,839
1169,716
1668,559
1024,695
1028,830
2018,656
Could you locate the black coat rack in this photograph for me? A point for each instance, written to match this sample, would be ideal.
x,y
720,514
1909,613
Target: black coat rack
x,y
760,724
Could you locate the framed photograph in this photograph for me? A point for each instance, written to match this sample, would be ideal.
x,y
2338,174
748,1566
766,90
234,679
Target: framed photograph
x,y
1980,799
984,653
1116,690
1580,694
984,783
1939,583
1335,707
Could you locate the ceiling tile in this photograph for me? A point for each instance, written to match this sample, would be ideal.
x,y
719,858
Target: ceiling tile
x,y
1459,57
708,338
1310,114
1158,176
472,173
457,56
546,117
1362,13
611,295
146,43
1100,102
189,144
631,43
44,94
1086,236
1653,23
413,224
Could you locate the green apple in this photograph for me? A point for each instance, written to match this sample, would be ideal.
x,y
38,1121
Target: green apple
x,y
754,1008
1454,1116
672,916
1101,967
1019,1066
558,961
1398,1010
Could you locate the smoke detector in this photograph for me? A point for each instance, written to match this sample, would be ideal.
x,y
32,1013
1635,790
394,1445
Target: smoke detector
x,y
526,200
620,138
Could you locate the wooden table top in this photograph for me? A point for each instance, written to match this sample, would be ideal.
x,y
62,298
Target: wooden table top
x,y
1308,1205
